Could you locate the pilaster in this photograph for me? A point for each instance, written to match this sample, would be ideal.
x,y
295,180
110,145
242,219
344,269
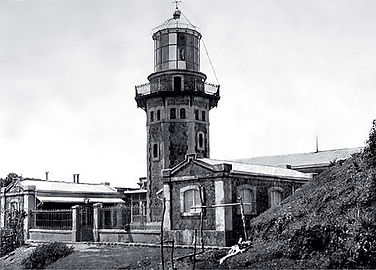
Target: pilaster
x,y
96,219
74,222
29,204
223,215
2,209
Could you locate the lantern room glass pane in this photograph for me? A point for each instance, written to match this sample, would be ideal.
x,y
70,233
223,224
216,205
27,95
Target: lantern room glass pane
x,y
172,65
172,38
190,51
164,54
195,42
196,57
157,41
158,56
172,52
190,65
182,65
182,39
190,39
164,40
165,65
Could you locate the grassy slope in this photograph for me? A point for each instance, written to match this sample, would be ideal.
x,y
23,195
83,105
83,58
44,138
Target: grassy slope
x,y
329,223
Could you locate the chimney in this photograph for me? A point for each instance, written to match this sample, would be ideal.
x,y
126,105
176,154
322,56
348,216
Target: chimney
x,y
76,178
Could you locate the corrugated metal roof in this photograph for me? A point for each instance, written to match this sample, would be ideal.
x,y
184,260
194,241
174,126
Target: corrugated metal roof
x,y
57,199
259,169
50,186
303,159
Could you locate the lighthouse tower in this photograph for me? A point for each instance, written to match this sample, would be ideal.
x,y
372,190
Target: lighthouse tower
x,y
177,100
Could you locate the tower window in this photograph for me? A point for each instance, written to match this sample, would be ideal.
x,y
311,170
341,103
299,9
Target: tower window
x,y
172,113
158,115
200,139
182,113
155,151
196,115
151,116
177,83
203,116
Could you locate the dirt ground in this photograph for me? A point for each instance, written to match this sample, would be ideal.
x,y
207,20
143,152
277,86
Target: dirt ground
x,y
100,257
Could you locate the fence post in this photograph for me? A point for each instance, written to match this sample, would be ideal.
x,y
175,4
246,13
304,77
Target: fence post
x,y
74,222
96,218
29,204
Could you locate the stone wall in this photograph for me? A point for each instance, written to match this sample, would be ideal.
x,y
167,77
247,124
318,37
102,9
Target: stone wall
x,y
181,222
262,184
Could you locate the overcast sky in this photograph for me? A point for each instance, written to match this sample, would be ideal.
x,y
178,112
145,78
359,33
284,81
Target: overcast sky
x,y
288,69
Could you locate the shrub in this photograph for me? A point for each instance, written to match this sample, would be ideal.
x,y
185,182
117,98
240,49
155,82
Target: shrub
x,y
46,254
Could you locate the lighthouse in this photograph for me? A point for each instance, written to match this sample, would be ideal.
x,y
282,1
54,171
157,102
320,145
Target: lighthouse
x,y
177,101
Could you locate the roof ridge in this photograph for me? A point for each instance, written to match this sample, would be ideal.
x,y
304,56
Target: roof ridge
x,y
300,153
65,182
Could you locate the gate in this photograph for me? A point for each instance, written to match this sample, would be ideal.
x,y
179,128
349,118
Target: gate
x,y
85,224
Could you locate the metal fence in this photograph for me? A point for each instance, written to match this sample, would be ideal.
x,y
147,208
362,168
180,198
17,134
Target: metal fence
x,y
52,219
118,217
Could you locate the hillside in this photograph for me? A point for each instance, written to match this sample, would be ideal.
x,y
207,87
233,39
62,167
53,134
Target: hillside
x,y
329,223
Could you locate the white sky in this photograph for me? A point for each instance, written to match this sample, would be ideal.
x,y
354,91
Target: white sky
x,y
288,69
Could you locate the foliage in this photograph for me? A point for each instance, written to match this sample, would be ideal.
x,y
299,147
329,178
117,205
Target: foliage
x,y
46,254
9,179
370,149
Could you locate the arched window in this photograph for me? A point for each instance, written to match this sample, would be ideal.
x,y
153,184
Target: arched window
x,y
196,115
182,113
275,196
248,194
155,151
189,197
158,115
200,141
172,113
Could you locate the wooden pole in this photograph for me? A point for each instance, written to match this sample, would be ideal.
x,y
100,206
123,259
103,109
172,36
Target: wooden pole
x,y
243,218
194,251
172,254
163,213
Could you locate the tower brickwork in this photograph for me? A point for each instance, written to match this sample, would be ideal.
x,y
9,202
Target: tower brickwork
x,y
177,101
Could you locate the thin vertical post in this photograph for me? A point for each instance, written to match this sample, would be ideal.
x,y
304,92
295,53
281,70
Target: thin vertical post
x,y
202,218
243,218
172,253
194,251
163,213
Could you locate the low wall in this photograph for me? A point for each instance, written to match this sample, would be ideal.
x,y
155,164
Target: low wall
x,y
50,235
132,236
211,237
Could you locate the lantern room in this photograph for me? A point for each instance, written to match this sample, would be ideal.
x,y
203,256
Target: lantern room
x,y
176,45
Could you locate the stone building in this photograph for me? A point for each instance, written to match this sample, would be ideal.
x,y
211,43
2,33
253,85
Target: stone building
x,y
201,192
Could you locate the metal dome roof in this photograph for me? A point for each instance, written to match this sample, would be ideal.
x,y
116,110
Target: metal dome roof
x,y
177,21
